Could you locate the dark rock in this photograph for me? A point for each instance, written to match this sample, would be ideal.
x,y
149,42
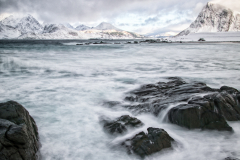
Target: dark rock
x,y
227,106
140,108
201,39
229,89
18,133
101,42
194,116
120,125
154,97
208,112
146,144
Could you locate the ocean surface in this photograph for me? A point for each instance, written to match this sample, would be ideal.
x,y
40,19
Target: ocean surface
x,y
64,85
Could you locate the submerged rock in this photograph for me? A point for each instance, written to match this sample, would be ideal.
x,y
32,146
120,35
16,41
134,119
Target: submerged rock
x,y
146,144
121,124
18,133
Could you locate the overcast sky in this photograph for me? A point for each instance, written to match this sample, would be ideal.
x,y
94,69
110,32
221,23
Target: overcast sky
x,y
142,16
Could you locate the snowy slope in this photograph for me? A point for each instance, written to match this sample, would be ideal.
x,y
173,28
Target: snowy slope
x,y
235,25
11,21
214,18
29,24
109,34
68,25
83,27
53,31
7,32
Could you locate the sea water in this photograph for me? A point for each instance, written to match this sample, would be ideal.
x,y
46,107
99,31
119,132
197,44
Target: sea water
x,y
64,85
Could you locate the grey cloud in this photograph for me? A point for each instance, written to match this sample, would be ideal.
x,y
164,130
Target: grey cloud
x,y
123,24
169,28
168,21
151,20
136,25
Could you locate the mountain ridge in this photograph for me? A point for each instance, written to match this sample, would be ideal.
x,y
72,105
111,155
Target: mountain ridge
x,y
82,27
28,27
106,26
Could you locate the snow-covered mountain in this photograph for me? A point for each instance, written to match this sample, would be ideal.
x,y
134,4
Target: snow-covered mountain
x,y
83,27
24,25
52,31
68,25
29,28
214,18
13,27
106,26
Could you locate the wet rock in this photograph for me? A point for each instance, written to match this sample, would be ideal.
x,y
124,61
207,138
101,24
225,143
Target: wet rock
x,y
140,108
164,93
18,133
194,116
227,105
197,111
120,125
230,90
146,144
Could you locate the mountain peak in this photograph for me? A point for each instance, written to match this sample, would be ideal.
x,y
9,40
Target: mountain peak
x,y
106,26
68,25
82,27
213,18
23,24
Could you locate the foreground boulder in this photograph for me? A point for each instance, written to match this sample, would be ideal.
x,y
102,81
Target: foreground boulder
x,y
211,111
120,125
18,133
146,144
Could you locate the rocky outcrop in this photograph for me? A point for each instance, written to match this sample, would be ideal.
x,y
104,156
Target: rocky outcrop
x,y
201,106
146,144
18,133
120,125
